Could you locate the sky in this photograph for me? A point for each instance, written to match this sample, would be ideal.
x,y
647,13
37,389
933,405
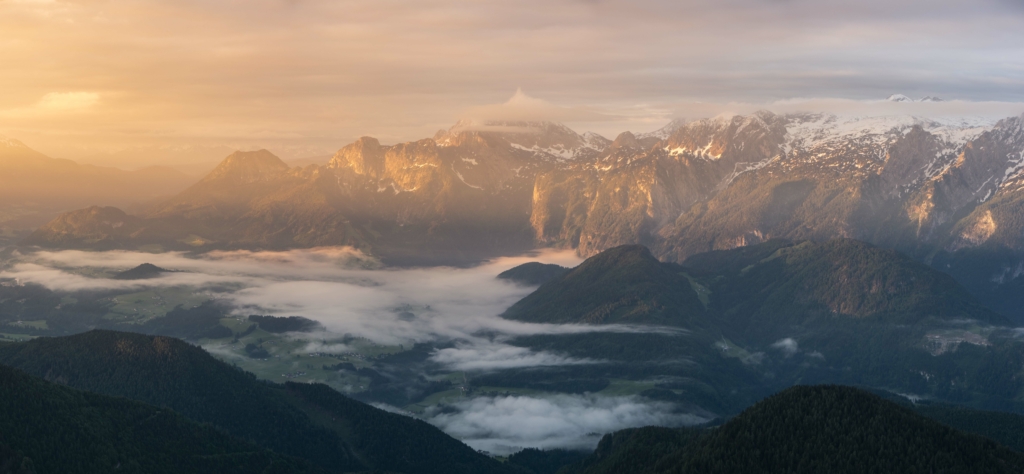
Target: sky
x,y
305,77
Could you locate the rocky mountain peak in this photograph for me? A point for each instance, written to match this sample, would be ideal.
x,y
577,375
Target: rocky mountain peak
x,y
10,143
550,139
243,167
738,138
625,140
666,131
364,156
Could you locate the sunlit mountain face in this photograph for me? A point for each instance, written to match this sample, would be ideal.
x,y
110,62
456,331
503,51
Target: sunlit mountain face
x,y
517,238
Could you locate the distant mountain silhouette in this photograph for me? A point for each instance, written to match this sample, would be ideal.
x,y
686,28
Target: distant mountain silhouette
x,y
141,272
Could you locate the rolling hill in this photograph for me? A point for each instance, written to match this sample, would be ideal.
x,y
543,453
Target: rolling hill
x,y
307,421
46,427
805,430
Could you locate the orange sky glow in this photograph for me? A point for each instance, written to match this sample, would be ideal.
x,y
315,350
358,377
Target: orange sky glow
x,y
304,77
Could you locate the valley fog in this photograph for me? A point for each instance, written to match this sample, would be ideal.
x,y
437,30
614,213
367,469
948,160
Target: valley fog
x,y
452,312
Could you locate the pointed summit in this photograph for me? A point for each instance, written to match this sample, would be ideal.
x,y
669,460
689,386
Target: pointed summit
x,y
623,284
245,167
899,98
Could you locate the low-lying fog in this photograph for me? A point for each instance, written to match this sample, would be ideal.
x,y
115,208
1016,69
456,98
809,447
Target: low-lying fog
x,y
350,293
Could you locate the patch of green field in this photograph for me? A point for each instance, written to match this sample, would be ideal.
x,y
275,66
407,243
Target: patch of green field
x,y
40,324
11,337
296,358
728,349
622,388
439,398
195,241
154,302
703,293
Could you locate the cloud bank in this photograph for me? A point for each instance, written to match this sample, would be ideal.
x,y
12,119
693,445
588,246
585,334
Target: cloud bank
x,y
349,293
503,425
345,291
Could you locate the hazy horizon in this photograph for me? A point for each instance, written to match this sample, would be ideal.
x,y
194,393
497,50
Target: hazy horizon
x,y
304,78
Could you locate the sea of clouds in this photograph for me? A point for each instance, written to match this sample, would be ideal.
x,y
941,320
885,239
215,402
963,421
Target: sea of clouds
x,y
350,293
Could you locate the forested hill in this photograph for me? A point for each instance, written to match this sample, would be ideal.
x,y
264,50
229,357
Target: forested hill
x,y
332,431
816,429
779,283
533,273
624,285
800,281
781,313
47,428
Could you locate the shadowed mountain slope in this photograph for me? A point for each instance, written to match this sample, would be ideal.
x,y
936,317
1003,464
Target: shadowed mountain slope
x,y
761,318
52,428
533,273
305,421
782,284
621,285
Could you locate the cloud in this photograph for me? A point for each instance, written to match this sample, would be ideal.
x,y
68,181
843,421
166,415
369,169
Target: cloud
x,y
345,291
523,108
484,356
326,348
992,110
788,346
503,425
65,101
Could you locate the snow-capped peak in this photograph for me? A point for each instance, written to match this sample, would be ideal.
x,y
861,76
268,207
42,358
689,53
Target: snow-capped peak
x,y
664,132
899,98
11,143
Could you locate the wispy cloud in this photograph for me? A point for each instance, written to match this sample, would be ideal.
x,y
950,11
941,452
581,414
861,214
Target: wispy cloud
x,y
506,424
788,346
489,355
345,291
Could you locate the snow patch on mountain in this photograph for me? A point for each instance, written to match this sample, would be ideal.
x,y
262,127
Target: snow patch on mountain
x,y
664,132
11,143
809,131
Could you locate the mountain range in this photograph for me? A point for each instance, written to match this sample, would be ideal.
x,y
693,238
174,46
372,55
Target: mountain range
x,y
35,188
947,192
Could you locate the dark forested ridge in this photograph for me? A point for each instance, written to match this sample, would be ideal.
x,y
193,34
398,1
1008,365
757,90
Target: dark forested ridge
x,y
141,272
312,422
277,324
622,285
805,430
839,277
805,280
47,428
755,320
533,273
